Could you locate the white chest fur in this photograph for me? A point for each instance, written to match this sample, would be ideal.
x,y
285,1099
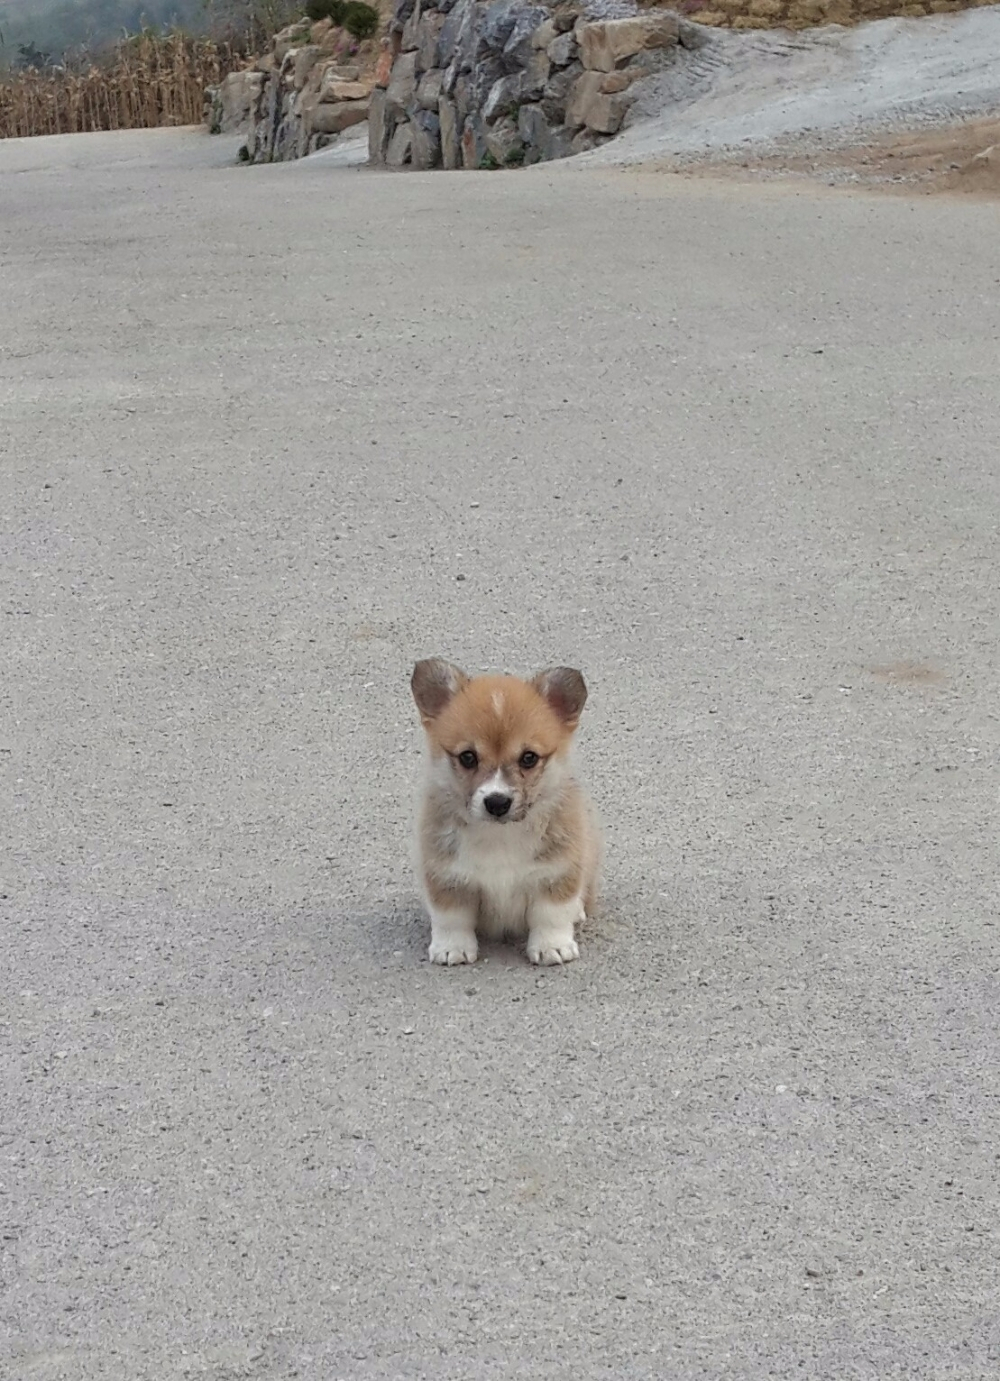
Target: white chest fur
x,y
499,860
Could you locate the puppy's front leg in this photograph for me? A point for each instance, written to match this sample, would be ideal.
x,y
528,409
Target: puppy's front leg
x,y
454,912
453,936
550,930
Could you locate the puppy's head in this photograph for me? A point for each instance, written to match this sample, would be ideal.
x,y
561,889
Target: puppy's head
x,y
498,744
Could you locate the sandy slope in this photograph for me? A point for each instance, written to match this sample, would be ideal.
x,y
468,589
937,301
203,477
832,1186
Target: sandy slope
x,y
763,96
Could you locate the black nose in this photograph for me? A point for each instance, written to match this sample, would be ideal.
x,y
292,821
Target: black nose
x,y
497,804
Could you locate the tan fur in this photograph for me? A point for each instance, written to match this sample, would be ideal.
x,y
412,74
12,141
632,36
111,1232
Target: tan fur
x,y
532,873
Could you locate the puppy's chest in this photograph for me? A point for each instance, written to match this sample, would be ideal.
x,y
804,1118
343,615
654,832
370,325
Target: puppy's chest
x,y
498,858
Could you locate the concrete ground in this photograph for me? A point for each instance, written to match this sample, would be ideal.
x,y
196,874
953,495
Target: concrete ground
x,y
268,436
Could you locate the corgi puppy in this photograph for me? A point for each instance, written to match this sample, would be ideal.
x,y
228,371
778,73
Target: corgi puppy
x,y
509,843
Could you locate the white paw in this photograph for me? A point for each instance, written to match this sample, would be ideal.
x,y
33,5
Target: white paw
x,y
547,950
454,950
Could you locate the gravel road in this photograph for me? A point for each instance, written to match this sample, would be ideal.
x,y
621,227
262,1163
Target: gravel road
x,y
270,435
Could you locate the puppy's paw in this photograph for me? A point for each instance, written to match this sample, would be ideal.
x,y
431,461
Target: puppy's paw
x,y
454,949
547,949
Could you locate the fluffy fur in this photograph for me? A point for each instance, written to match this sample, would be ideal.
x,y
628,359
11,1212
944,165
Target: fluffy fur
x,y
508,840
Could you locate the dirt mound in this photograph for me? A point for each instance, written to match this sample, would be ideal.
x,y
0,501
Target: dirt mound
x,y
980,174
958,160
901,102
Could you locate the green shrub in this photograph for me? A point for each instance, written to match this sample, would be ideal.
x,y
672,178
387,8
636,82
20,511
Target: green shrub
x,y
360,20
326,9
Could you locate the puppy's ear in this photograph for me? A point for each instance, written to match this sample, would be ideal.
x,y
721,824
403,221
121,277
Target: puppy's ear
x,y
565,690
434,683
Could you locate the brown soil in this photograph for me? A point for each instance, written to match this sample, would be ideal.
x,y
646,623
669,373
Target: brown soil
x,y
958,160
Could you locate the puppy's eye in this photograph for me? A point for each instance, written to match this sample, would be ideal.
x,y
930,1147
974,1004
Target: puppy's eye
x,y
468,759
529,760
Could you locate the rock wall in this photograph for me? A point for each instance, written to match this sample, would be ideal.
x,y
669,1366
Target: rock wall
x,y
313,83
498,83
230,107
490,83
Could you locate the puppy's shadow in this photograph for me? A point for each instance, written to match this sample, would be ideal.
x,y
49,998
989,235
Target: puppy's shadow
x,y
399,933
396,931
605,925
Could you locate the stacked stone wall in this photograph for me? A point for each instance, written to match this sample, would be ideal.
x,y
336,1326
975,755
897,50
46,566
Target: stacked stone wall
x,y
493,85
313,83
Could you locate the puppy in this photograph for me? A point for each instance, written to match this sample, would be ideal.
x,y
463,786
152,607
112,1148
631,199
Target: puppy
x,y
508,839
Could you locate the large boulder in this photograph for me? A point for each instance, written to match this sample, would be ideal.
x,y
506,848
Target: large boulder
x,y
518,47
294,36
557,90
379,128
608,43
504,98
335,118
425,135
451,145
402,86
504,142
562,50
303,61
334,89
429,89
400,151
473,142
593,107
427,41
235,100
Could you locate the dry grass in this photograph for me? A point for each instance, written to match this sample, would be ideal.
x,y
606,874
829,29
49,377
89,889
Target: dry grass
x,y
147,81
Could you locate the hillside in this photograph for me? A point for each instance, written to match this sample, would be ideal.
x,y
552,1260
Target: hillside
x,y
51,27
